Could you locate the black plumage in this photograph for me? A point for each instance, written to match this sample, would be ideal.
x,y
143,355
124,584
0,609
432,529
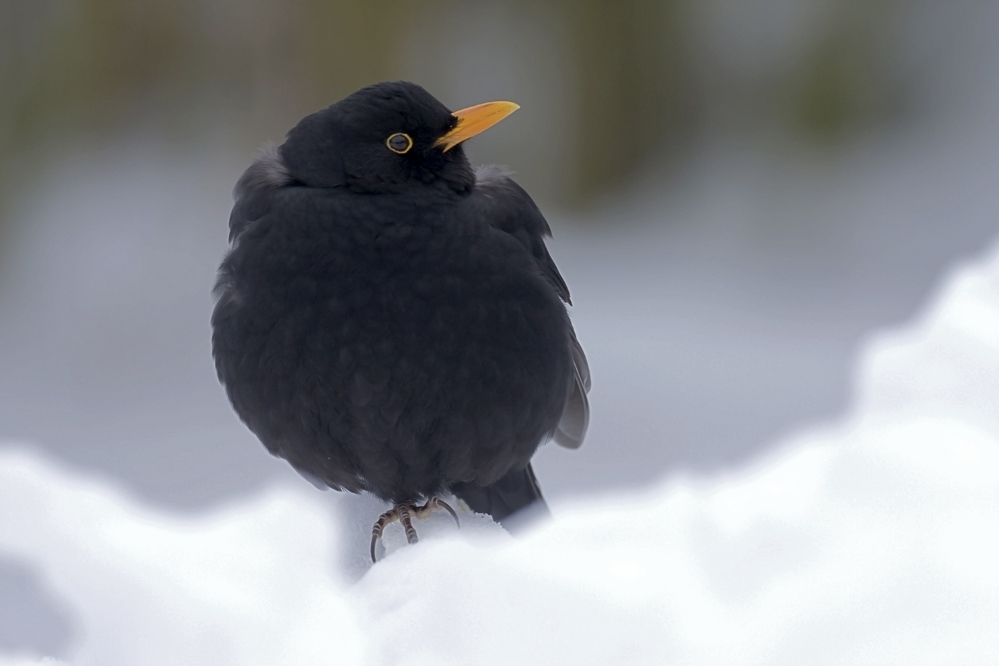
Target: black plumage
x,y
392,321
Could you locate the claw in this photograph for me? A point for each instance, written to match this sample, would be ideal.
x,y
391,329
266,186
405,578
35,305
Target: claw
x,y
436,503
384,520
404,513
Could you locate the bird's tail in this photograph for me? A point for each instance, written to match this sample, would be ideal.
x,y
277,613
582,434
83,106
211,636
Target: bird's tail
x,y
512,501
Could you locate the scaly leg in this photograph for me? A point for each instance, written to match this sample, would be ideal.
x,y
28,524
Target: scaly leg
x,y
404,513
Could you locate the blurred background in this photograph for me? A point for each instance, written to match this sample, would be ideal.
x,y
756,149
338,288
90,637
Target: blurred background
x,y
740,191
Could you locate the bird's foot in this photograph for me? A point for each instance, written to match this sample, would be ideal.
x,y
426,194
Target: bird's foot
x,y
404,513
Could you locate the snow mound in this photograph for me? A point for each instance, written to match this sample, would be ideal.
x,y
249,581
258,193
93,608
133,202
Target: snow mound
x,y
873,542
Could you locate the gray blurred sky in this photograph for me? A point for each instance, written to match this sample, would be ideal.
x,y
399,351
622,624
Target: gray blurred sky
x,y
721,289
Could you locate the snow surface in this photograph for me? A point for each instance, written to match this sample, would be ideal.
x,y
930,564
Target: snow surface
x,y
871,542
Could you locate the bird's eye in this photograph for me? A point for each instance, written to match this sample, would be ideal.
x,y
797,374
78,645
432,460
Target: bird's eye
x,y
399,143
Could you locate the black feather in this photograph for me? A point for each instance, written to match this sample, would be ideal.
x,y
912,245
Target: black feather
x,y
393,323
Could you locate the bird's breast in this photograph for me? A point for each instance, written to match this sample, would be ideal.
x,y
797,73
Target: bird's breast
x,y
434,342
407,282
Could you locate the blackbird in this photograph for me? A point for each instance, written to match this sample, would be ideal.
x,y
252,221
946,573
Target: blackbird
x,y
389,319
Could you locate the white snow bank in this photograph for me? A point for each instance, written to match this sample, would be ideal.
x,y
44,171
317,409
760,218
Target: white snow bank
x,y
873,543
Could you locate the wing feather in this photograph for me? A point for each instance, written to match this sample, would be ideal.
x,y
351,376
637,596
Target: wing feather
x,y
518,215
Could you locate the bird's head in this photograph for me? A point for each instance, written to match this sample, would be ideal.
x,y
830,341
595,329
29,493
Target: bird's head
x,y
386,138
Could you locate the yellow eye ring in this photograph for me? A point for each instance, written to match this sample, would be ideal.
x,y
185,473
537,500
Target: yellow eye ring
x,y
399,143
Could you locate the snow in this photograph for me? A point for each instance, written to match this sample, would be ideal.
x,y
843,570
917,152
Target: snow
x,y
871,541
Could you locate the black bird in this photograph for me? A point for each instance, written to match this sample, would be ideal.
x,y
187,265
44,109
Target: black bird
x,y
388,319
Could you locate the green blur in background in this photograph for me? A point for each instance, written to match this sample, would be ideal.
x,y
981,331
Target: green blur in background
x,y
607,88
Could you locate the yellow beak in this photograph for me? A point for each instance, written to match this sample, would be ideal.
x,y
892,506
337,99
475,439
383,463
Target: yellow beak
x,y
473,120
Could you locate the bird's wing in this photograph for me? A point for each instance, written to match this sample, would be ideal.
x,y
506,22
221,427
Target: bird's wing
x,y
514,212
518,215
576,416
